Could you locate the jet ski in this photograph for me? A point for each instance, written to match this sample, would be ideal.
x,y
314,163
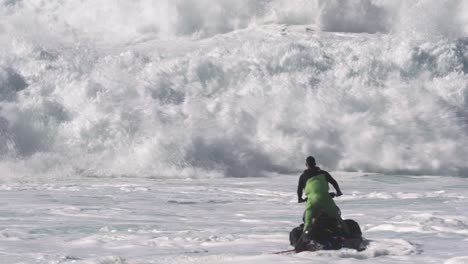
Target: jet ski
x,y
328,234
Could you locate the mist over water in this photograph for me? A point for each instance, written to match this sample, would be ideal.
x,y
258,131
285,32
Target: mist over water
x,y
232,88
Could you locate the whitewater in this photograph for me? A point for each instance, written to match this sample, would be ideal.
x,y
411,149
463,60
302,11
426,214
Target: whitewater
x,y
157,131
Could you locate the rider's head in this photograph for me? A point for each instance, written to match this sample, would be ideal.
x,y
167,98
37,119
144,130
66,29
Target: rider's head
x,y
310,162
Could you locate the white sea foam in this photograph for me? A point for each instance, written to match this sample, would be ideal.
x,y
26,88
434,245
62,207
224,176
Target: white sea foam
x,y
125,21
244,88
457,260
222,221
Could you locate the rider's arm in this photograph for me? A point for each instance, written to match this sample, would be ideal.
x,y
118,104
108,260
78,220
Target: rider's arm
x,y
300,188
334,183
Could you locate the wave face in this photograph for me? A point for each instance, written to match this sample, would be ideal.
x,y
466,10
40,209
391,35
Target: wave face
x,y
204,88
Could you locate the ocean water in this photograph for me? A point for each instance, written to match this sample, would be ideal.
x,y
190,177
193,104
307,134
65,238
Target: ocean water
x,y
155,131
409,219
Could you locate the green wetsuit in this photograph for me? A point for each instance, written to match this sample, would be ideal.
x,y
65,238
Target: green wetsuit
x,y
319,200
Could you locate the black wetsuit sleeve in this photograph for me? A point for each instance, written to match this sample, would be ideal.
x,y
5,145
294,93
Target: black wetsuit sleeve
x,y
300,186
333,182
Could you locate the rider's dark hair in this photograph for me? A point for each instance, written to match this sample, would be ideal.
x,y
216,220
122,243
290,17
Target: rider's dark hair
x,y
310,161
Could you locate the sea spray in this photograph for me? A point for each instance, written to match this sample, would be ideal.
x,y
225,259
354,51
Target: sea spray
x,y
245,89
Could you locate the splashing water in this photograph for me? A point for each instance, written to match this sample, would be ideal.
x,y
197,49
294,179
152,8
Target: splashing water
x,y
232,88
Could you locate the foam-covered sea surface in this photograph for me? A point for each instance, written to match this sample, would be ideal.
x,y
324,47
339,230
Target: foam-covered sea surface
x,y
174,131
410,219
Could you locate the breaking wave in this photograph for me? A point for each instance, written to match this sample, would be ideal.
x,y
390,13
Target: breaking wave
x,y
232,88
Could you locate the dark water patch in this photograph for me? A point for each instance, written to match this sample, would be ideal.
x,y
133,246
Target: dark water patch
x,y
353,16
200,202
11,82
9,3
218,202
47,56
373,169
61,230
462,53
182,202
395,179
6,142
165,94
210,74
236,158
